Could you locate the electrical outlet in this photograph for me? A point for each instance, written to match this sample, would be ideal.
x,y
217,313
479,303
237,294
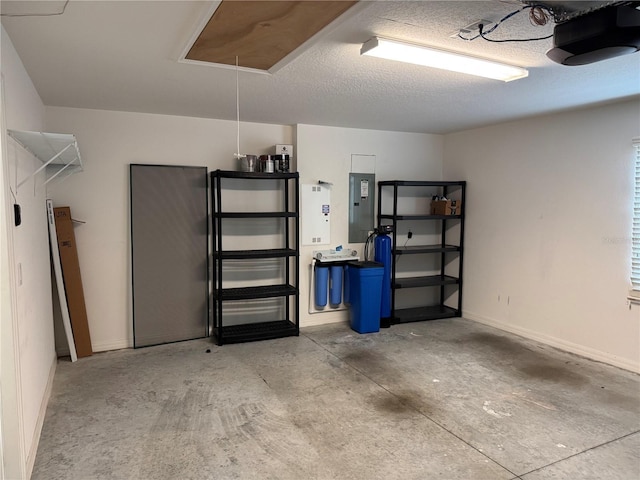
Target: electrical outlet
x,y
410,234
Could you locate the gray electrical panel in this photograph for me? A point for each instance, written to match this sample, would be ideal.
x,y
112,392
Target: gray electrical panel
x,y
362,188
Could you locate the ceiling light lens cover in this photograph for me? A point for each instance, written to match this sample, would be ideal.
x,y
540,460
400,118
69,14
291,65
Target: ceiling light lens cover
x,y
431,57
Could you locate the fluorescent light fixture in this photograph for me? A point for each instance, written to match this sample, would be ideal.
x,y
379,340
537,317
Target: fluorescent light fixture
x,y
431,57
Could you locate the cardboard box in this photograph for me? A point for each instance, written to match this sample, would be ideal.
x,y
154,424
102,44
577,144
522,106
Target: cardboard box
x,y
73,281
446,207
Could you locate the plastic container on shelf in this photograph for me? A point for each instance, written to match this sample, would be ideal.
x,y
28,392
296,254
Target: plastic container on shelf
x,y
249,163
281,163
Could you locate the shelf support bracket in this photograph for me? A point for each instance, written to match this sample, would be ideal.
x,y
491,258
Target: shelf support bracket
x,y
60,171
44,165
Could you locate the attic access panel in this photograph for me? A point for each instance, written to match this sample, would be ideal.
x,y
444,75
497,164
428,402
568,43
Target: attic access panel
x,y
261,33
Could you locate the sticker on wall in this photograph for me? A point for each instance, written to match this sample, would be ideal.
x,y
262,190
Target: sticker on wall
x,y
364,188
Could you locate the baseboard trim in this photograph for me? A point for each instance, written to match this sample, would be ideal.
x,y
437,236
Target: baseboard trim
x,y
106,346
99,347
33,450
315,320
581,350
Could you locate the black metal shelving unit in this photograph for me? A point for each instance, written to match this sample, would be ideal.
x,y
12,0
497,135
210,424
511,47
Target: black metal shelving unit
x,y
287,185
445,249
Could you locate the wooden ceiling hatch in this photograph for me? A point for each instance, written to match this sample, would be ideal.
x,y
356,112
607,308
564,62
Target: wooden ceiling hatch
x,y
262,33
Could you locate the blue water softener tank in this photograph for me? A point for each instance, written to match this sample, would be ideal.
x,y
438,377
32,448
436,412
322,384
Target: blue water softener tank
x,y
382,248
321,285
335,288
365,281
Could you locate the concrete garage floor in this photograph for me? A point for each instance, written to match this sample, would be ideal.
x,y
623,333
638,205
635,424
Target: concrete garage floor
x,y
449,399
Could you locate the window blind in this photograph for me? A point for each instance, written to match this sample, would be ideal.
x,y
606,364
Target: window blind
x,y
635,229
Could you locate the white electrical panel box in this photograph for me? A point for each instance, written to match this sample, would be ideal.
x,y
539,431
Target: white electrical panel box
x,y
316,214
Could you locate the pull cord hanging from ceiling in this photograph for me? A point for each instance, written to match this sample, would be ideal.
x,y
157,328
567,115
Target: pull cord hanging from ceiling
x,y
238,155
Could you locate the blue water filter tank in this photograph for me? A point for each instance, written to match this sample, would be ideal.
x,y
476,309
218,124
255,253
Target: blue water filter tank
x,y
346,285
382,247
321,285
335,286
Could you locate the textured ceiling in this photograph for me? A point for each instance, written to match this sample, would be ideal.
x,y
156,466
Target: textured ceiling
x,y
124,55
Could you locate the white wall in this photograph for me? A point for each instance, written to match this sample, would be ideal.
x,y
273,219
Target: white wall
x,y
109,142
324,153
28,357
548,228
